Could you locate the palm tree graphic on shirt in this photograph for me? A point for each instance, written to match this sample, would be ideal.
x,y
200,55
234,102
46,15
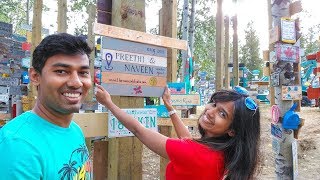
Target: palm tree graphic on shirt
x,y
69,170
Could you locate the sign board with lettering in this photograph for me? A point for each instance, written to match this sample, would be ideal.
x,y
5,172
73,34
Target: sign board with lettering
x,y
5,29
184,100
9,81
287,52
288,30
4,90
133,69
291,93
4,99
147,117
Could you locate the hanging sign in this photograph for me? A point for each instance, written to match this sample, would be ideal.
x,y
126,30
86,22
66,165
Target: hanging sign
x,y
8,81
291,93
274,35
275,113
5,29
184,100
295,159
288,30
147,117
133,69
4,90
287,52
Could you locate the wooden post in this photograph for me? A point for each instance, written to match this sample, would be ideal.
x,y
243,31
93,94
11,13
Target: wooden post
x,y
100,160
169,28
226,53
272,95
36,39
185,27
219,46
62,16
125,154
91,9
168,24
235,70
283,146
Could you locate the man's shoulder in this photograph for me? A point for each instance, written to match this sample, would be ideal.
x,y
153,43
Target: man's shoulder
x,y
18,128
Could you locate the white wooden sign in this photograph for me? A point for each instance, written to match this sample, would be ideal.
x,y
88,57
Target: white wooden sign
x,y
295,159
4,98
184,100
147,117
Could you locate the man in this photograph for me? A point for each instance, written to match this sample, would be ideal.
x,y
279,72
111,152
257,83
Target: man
x,y
45,143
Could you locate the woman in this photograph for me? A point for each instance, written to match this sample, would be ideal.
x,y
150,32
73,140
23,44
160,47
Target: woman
x,y
229,142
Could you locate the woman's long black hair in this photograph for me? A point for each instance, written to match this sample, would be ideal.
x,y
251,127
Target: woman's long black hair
x,y
241,150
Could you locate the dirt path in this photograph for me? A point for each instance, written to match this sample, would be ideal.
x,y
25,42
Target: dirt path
x,y
308,148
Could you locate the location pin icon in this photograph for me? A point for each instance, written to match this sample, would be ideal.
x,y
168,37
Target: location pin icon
x,y
108,59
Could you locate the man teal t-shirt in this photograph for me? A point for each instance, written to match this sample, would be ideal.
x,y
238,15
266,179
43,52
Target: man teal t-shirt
x,y
33,148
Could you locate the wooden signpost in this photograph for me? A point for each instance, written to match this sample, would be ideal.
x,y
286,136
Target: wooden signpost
x,y
133,69
124,154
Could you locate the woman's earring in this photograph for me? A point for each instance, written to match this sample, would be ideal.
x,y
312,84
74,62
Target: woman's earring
x,y
231,133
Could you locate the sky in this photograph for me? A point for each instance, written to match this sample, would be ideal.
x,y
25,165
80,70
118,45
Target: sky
x,y
247,10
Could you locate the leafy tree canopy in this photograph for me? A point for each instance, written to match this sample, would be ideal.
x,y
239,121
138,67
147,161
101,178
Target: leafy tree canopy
x,y
249,51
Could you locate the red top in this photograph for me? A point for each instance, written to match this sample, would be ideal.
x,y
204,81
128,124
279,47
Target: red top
x,y
192,160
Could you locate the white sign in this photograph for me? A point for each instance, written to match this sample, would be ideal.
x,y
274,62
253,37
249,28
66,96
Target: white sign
x,y
184,100
4,98
147,117
295,159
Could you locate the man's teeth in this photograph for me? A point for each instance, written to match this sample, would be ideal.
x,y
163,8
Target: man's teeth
x,y
72,95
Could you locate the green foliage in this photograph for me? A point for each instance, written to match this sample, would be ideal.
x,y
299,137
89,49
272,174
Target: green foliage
x,y
249,52
205,44
80,8
204,35
13,12
309,41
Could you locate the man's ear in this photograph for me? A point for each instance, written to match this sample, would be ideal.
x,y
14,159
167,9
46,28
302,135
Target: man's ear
x,y
34,76
231,133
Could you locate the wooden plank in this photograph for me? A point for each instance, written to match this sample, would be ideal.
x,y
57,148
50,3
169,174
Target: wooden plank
x,y
131,90
132,68
96,124
130,79
134,47
109,56
100,160
92,124
138,36
295,7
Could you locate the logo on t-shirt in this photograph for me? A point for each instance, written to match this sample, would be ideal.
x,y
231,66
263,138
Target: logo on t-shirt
x,y
79,165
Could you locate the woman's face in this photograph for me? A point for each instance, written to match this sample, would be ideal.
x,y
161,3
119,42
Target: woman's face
x,y
217,118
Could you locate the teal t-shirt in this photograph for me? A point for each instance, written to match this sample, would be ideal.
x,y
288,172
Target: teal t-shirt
x,y
33,148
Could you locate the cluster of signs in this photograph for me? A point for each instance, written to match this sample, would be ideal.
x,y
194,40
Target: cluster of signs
x,y
284,59
13,49
130,68
284,62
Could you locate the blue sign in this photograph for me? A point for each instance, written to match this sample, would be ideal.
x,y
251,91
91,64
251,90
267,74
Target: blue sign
x,y
25,77
161,110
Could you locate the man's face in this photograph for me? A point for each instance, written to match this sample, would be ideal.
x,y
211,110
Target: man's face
x,y
64,83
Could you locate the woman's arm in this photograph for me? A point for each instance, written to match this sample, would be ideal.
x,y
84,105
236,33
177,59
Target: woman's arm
x,y
153,140
178,125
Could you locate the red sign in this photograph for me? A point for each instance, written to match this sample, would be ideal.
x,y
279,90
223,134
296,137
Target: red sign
x,y
26,46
